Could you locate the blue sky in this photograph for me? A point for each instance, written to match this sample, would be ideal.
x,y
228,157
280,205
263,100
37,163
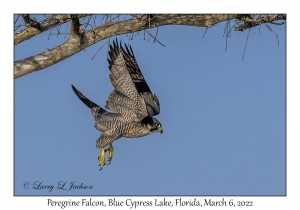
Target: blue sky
x,y
223,117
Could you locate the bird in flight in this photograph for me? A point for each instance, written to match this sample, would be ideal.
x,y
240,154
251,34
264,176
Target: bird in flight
x,y
131,103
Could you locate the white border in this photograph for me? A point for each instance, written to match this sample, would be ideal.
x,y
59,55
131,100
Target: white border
x,y
6,75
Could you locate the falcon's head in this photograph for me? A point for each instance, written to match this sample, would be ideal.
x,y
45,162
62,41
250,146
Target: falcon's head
x,y
152,124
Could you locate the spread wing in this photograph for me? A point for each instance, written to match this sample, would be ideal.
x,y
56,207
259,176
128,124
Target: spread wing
x,y
140,83
131,96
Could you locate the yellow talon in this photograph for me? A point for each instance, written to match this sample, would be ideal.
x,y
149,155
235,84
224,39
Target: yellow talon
x,y
111,153
101,158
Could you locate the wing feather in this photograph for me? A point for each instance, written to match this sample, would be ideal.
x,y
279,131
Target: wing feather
x,y
132,95
141,85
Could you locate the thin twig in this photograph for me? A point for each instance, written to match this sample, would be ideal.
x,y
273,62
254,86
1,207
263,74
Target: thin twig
x,y
99,50
115,18
246,44
94,17
206,29
16,28
226,32
154,38
86,25
49,34
124,17
132,36
17,19
107,16
270,29
102,19
156,34
225,28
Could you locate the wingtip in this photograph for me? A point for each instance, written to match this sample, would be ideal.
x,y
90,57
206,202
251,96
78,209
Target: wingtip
x,y
74,89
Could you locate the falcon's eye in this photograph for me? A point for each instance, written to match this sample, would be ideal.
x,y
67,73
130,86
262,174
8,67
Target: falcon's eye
x,y
158,125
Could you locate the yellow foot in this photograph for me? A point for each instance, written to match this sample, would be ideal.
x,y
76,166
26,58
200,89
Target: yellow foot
x,y
101,158
111,153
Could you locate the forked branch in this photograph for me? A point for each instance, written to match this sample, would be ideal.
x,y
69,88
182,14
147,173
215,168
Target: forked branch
x,y
137,23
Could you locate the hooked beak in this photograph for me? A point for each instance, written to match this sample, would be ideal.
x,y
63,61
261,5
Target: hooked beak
x,y
161,130
157,130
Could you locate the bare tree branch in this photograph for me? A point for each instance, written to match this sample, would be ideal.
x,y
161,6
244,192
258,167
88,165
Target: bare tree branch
x,y
250,22
32,22
75,25
137,23
50,22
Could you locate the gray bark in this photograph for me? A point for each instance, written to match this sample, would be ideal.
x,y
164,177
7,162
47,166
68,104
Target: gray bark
x,y
79,41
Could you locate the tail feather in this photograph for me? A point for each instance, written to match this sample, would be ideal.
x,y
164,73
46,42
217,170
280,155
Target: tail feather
x,y
96,109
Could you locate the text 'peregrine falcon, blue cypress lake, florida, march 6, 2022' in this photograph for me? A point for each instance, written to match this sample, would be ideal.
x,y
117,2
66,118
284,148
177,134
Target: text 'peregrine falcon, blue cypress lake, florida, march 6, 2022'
x,y
132,103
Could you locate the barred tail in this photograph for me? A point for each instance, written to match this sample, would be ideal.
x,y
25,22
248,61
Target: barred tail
x,y
95,108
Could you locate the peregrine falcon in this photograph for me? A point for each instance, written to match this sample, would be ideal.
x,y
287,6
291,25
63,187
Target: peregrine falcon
x,y
132,103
